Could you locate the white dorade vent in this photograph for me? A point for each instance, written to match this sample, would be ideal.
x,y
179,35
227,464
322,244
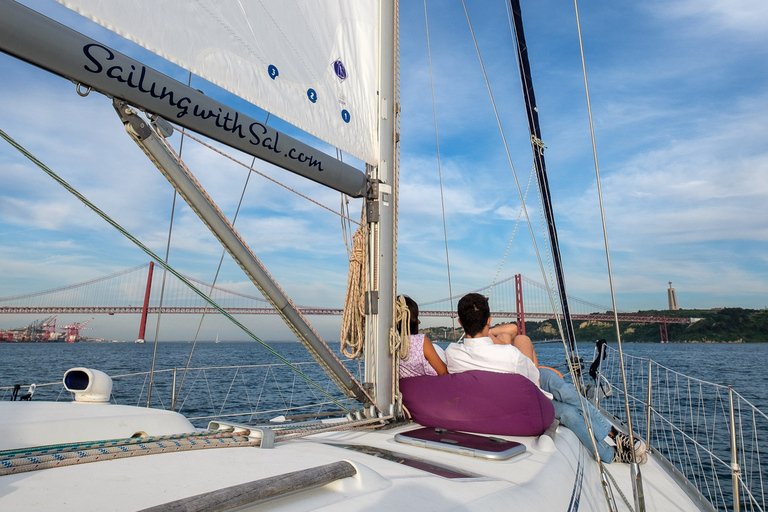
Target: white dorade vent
x,y
88,385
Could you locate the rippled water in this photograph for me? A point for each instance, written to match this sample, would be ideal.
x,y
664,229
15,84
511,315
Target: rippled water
x,y
739,365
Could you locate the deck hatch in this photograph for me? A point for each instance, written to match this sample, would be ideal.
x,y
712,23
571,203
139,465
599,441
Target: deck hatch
x,y
462,443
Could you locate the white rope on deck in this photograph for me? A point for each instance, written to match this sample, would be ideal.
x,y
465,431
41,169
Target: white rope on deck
x,y
53,456
46,457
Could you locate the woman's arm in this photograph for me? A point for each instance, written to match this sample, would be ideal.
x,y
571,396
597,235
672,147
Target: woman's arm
x,y
433,359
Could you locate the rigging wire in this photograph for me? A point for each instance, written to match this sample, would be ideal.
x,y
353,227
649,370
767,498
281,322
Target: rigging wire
x,y
346,226
547,249
165,274
439,166
570,351
512,167
218,269
637,481
162,295
213,287
222,153
165,265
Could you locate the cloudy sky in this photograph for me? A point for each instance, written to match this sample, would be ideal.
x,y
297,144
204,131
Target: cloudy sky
x,y
680,106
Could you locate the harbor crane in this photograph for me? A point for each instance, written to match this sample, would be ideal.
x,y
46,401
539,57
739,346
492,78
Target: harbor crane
x,y
73,330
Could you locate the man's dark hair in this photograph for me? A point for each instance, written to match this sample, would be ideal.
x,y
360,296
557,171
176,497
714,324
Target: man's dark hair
x,y
474,313
413,325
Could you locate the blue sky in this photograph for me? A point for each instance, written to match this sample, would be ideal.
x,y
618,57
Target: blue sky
x,y
680,105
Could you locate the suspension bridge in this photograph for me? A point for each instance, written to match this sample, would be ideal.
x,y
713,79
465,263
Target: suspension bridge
x,y
139,290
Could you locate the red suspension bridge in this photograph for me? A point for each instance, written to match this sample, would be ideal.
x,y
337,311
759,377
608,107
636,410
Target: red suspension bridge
x,y
137,291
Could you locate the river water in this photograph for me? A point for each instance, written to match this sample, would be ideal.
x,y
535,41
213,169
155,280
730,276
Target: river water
x,y
739,365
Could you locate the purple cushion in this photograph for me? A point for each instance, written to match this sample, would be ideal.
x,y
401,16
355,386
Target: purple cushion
x,y
479,401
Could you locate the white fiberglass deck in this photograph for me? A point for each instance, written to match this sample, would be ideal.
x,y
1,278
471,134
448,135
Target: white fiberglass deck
x,y
550,475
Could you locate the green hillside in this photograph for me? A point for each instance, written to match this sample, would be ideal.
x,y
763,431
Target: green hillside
x,y
718,325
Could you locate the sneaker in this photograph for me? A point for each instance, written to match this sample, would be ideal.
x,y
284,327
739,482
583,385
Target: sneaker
x,y
622,451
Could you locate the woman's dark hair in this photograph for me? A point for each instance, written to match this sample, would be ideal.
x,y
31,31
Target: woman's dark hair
x,y
413,325
474,313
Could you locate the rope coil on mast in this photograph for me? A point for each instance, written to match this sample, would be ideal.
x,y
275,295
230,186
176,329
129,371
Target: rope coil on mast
x,y
400,340
353,317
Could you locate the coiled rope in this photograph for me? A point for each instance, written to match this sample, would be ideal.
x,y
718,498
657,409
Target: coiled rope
x,y
401,336
353,318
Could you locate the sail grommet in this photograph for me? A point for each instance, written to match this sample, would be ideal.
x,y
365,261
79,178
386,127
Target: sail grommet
x,y
80,92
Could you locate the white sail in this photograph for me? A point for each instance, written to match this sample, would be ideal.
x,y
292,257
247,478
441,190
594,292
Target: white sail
x,y
310,63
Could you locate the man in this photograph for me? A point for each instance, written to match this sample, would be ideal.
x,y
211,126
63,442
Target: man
x,y
501,349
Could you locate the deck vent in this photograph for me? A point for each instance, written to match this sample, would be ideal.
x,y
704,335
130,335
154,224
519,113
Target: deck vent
x,y
88,385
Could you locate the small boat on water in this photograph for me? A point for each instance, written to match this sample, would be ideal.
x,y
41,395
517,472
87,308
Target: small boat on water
x,y
90,454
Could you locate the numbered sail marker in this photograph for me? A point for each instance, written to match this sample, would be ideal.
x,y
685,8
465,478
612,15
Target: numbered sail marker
x,y
345,115
272,70
312,95
340,70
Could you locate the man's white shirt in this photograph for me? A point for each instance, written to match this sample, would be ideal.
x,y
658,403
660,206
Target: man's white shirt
x,y
483,354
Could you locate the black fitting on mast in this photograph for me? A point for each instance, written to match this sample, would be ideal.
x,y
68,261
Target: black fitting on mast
x,y
372,204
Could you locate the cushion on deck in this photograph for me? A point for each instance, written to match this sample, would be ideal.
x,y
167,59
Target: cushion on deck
x,y
478,401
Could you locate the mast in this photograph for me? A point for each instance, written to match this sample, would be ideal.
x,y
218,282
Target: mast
x,y
382,212
538,160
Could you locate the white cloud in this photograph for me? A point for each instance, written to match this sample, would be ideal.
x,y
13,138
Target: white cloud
x,y
744,18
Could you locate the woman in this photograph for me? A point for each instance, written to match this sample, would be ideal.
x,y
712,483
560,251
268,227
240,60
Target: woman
x,y
423,358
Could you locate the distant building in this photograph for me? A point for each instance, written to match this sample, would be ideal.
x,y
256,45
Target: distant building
x,y
672,298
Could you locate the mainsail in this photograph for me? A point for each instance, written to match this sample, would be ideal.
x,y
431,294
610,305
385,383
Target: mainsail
x,y
312,64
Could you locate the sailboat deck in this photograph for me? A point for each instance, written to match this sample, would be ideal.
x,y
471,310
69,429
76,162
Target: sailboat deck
x,y
552,474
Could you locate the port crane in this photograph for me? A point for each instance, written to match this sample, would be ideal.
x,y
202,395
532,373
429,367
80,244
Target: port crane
x,y
73,330
49,327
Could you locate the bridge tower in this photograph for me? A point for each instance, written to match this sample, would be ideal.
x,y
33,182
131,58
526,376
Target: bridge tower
x,y
145,307
519,304
663,331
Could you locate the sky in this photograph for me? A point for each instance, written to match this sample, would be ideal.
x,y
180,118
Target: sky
x,y
680,109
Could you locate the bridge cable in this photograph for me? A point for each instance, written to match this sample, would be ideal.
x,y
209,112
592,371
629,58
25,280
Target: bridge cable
x,y
514,231
166,266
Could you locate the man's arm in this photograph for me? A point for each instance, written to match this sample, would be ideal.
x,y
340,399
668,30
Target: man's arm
x,y
503,334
